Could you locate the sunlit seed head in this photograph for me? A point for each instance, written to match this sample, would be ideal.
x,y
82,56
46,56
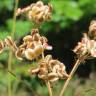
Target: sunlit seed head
x,y
30,54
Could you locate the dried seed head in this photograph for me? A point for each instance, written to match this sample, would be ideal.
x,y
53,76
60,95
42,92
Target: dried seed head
x,y
92,29
10,43
28,38
34,31
38,50
39,4
52,77
37,12
43,40
50,70
19,53
30,54
36,37
86,48
30,45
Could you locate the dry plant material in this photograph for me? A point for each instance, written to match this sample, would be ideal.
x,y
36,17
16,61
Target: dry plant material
x,y
38,12
86,49
50,70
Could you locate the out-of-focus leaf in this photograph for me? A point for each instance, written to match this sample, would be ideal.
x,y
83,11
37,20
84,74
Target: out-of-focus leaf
x,y
22,27
8,4
68,9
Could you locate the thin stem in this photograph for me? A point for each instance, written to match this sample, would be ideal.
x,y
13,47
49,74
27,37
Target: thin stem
x,y
70,76
10,53
42,55
48,83
14,18
22,81
49,88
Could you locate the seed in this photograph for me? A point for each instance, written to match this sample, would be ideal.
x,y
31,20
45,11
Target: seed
x,y
30,54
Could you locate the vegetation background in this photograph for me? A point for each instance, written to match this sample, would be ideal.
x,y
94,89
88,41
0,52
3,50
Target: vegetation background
x,y
70,19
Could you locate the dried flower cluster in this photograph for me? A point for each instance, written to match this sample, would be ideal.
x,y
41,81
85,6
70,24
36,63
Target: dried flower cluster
x,y
50,70
8,42
33,46
87,46
92,30
37,12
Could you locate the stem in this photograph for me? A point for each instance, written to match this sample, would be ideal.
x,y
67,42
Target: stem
x,y
48,83
70,76
49,88
10,53
22,81
14,18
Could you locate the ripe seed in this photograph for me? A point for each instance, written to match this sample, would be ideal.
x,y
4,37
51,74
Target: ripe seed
x,y
30,54
38,49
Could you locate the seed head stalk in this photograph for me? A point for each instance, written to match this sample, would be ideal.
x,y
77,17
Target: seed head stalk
x,y
10,53
69,78
48,83
49,88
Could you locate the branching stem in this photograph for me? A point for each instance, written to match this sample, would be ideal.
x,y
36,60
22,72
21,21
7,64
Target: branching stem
x,y
10,53
70,76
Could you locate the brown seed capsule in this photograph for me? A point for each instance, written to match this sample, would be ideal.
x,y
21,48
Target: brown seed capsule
x,y
36,37
52,75
43,40
92,29
27,38
30,45
38,50
39,4
10,43
19,53
34,31
30,54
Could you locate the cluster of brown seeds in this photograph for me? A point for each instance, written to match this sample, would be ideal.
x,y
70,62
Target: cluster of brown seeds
x,y
37,12
87,46
92,30
33,46
50,70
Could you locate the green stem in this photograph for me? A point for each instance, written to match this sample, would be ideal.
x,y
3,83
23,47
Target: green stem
x,y
22,81
70,76
10,53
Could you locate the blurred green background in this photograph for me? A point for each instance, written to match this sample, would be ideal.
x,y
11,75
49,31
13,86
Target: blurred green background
x,y
70,18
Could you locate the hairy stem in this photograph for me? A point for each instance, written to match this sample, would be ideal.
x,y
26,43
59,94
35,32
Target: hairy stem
x,y
10,53
70,76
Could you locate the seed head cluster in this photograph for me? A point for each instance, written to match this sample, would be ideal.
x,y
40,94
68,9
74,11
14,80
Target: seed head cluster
x,y
50,70
38,12
87,46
